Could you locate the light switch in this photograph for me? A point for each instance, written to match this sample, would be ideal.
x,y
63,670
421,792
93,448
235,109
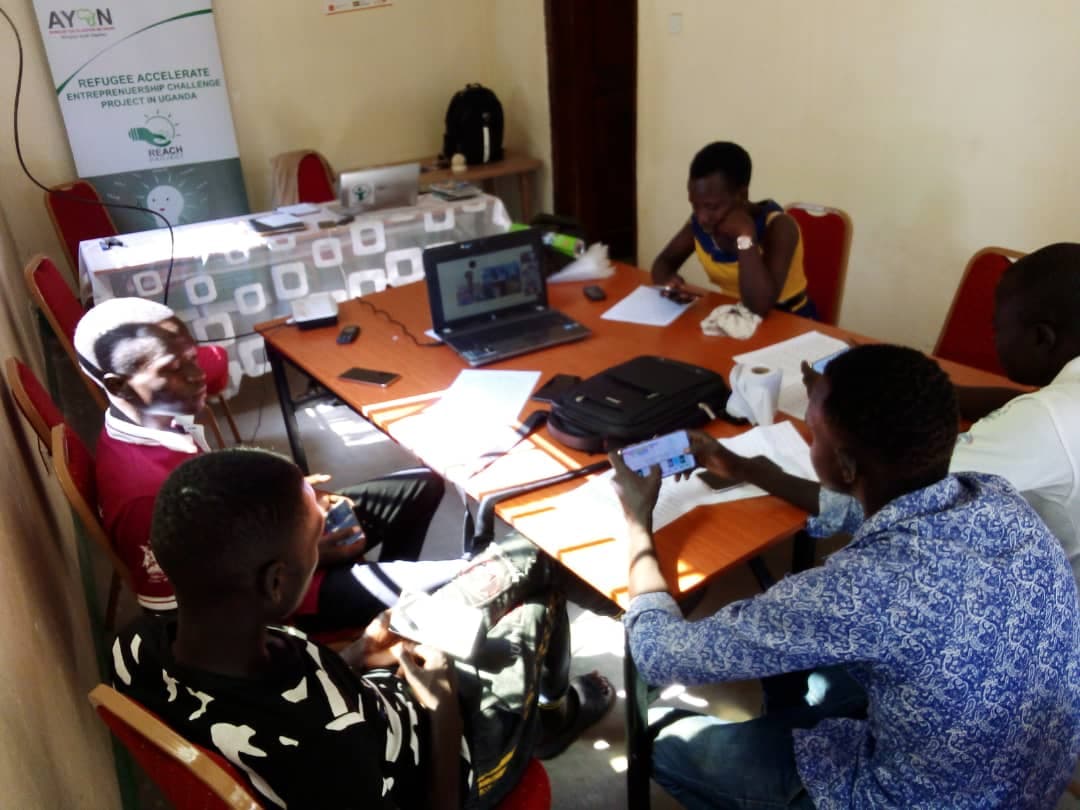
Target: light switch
x,y
674,23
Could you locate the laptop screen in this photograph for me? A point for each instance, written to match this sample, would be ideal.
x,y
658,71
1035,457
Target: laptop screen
x,y
472,282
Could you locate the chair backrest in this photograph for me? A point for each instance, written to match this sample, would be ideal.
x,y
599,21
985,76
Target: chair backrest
x,y
314,182
76,221
967,336
61,309
32,399
74,467
190,776
826,235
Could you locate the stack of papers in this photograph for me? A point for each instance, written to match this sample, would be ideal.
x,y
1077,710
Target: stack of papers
x,y
277,223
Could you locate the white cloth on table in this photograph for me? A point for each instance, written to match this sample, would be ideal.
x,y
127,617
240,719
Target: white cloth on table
x,y
732,320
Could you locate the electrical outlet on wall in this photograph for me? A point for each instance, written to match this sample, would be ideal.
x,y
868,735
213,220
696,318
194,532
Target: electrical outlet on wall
x,y
674,23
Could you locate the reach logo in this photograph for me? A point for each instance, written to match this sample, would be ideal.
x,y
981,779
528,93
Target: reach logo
x,y
78,20
159,132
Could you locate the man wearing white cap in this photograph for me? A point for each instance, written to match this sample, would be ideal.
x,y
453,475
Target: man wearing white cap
x,y
142,355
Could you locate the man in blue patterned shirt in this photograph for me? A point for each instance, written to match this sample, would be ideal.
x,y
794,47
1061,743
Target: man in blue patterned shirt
x,y
953,607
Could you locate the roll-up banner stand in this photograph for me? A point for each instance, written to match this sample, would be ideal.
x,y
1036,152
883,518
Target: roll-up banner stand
x,y
142,91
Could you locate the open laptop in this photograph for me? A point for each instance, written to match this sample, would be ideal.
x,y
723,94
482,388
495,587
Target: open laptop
x,y
489,299
382,187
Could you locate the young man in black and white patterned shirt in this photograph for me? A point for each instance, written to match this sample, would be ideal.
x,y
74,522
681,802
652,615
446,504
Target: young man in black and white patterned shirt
x,y
386,723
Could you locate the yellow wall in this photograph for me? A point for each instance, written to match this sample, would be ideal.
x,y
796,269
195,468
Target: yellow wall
x,y
53,750
363,88
940,127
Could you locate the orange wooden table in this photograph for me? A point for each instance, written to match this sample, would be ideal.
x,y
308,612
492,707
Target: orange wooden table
x,y
692,549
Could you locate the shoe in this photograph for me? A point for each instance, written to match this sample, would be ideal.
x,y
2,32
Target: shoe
x,y
595,696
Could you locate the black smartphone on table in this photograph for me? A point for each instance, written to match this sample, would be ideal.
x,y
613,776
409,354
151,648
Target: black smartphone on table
x,y
370,376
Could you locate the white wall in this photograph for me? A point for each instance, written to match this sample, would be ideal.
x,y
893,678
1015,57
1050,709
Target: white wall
x,y
941,127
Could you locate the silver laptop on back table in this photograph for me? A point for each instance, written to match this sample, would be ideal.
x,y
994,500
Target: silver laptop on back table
x,y
381,187
488,298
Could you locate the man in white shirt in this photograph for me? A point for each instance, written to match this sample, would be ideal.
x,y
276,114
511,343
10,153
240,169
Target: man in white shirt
x,y
1030,439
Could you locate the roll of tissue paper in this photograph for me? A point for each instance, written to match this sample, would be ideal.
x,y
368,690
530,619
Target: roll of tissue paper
x,y
755,392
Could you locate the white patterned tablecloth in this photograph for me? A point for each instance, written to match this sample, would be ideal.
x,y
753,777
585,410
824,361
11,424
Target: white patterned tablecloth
x,y
227,277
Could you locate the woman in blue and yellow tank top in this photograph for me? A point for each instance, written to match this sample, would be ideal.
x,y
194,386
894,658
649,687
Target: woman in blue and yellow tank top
x,y
750,250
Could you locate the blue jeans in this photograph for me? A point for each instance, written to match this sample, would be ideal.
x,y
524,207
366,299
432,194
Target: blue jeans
x,y
705,762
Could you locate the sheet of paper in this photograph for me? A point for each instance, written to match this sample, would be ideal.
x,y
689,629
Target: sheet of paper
x,y
475,417
646,306
787,355
487,396
299,209
779,442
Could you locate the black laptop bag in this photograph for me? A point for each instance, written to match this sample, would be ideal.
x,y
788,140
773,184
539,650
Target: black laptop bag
x,y
635,400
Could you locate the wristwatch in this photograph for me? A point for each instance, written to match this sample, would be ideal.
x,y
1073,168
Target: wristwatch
x,y
744,242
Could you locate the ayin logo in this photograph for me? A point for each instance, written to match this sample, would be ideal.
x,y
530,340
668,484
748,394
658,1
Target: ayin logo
x,y
80,19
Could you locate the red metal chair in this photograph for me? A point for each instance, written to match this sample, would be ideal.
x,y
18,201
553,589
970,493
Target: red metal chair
x,y
194,778
967,336
826,235
63,311
314,179
32,400
74,467
191,777
76,221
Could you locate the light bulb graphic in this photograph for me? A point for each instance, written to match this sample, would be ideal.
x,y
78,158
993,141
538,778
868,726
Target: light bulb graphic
x,y
167,201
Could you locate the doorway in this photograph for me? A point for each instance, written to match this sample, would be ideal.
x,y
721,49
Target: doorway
x,y
592,78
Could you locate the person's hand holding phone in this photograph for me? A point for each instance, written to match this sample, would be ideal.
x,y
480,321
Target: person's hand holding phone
x,y
343,537
636,493
716,458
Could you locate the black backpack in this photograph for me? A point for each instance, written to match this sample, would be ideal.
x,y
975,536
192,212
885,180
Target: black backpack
x,y
474,125
635,400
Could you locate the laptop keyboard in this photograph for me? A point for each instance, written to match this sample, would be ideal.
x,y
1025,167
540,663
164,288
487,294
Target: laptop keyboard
x,y
509,337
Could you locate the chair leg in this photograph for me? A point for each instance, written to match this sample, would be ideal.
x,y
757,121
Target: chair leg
x,y
211,422
110,607
225,409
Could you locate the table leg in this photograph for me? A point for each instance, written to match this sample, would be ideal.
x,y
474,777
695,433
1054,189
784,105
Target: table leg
x,y
525,189
288,410
638,744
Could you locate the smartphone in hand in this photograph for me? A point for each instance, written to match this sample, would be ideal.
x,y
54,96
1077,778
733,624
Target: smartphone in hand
x,y
671,453
342,516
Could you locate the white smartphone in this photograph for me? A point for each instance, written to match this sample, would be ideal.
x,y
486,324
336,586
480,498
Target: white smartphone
x,y
671,453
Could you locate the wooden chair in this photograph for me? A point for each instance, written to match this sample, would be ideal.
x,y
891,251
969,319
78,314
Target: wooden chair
x,y
74,467
826,234
77,221
967,336
32,400
191,777
63,311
